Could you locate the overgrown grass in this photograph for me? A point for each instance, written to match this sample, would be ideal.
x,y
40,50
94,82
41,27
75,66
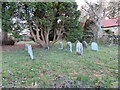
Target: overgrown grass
x,y
92,69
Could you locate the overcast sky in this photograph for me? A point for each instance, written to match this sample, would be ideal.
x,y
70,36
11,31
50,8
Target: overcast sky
x,y
82,2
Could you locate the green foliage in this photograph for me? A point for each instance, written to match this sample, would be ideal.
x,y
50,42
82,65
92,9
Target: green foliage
x,y
45,16
74,34
108,31
88,36
8,9
16,35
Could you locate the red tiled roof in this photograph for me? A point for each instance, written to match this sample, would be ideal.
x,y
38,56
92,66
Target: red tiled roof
x,y
107,23
110,22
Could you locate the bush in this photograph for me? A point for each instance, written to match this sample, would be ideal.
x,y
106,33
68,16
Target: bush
x,y
8,42
74,35
88,36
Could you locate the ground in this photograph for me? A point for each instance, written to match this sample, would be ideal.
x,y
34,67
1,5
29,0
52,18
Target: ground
x,y
92,69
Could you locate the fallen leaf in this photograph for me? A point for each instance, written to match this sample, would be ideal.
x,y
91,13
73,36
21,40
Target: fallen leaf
x,y
45,70
98,75
41,75
74,73
48,73
58,76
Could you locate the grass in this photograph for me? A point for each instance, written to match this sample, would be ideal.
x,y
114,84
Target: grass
x,y
0,67
92,68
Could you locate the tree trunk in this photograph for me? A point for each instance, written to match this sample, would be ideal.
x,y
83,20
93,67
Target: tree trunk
x,y
4,36
98,33
41,35
96,36
0,36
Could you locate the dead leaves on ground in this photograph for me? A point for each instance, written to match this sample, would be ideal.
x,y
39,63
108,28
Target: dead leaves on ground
x,y
41,75
45,72
98,75
58,76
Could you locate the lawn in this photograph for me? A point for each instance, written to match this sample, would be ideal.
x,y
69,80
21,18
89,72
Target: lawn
x,y
54,67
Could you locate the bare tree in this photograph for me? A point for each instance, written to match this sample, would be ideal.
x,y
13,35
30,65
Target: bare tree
x,y
113,9
94,11
98,11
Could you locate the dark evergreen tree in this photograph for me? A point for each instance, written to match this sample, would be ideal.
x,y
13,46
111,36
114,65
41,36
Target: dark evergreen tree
x,y
47,21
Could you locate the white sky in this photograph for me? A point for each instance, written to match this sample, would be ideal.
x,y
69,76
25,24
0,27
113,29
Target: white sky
x,y
82,2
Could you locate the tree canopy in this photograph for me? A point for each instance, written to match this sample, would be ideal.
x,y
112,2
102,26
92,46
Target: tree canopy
x,y
47,21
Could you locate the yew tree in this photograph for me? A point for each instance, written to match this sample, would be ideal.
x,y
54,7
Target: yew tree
x,y
10,11
48,21
6,12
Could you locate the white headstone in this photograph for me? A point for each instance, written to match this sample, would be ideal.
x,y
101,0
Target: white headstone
x,y
79,48
60,45
69,47
94,46
30,52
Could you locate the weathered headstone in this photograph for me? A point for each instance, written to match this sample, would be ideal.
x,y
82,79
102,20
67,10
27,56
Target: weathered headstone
x,y
26,47
84,44
94,46
60,45
69,47
29,50
79,48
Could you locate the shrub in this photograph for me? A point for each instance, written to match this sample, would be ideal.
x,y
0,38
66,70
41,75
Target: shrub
x,y
88,36
8,42
74,35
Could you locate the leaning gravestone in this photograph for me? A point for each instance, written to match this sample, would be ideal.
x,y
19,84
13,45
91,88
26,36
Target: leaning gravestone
x,y
69,47
79,48
60,45
94,46
85,45
26,47
29,49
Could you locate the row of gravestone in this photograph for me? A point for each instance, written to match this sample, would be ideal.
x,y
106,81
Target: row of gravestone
x,y
79,46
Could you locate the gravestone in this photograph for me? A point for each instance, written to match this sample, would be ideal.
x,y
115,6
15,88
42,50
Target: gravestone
x,y
94,46
79,48
28,47
30,51
60,45
84,44
69,46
